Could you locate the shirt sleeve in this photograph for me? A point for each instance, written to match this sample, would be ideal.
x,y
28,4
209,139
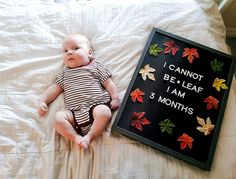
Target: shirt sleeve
x,y
103,72
60,79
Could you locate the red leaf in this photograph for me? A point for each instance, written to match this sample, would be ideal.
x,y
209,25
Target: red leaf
x,y
144,121
140,115
139,126
138,120
183,145
211,102
171,47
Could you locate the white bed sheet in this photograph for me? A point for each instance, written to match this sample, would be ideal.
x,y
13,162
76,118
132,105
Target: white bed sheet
x,y
30,57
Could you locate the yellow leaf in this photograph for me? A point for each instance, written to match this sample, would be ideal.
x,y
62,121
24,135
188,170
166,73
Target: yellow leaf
x,y
223,86
219,83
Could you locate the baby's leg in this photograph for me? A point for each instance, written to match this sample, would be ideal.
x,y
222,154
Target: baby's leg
x,y
63,123
102,117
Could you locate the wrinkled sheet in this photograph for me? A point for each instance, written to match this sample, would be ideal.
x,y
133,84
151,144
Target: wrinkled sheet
x,y
30,57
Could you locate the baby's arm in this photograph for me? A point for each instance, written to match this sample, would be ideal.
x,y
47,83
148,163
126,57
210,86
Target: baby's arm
x,y
112,90
48,96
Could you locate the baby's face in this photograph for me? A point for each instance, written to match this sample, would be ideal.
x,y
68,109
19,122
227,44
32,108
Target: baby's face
x,y
76,51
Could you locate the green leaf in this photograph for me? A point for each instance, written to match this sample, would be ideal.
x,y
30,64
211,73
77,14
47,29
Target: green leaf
x,y
166,126
154,50
216,65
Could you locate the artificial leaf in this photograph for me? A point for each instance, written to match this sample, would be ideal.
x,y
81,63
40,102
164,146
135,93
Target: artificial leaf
x,y
147,72
186,141
207,127
191,53
211,102
216,65
136,95
167,126
138,120
154,50
171,47
219,83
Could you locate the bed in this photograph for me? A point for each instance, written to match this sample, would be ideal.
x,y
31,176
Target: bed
x,y
30,57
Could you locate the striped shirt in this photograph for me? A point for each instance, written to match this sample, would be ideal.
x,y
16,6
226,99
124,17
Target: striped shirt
x,y
83,89
83,85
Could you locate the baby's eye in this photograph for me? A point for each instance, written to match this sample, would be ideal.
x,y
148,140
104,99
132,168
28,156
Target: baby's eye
x,y
76,48
65,51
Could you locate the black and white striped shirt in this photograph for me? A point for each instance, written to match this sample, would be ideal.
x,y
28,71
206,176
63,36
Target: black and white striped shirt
x,y
83,85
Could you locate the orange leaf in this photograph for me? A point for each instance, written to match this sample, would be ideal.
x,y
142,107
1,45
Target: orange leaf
x,y
137,95
191,53
186,141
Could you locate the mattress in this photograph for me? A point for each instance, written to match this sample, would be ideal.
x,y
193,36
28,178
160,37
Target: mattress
x,y
30,58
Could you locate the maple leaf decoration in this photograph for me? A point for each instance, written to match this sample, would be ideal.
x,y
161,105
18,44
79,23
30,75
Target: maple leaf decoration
x,y
154,50
147,72
211,102
207,127
219,83
167,126
138,120
191,53
186,141
136,95
171,47
216,65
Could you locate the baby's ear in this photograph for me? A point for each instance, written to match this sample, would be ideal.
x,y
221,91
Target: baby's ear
x,y
90,53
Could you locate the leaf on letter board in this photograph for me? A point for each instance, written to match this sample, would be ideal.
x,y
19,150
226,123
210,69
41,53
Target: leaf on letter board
x,y
136,95
138,120
191,53
171,47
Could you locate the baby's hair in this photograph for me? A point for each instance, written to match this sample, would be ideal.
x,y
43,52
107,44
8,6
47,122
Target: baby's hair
x,y
80,36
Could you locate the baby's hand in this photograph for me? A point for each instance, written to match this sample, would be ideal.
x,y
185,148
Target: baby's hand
x,y
115,103
43,108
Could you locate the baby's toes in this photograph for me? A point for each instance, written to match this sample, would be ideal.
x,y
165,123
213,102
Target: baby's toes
x,y
84,145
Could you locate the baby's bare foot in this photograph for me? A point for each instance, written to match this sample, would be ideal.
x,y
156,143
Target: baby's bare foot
x,y
85,141
78,140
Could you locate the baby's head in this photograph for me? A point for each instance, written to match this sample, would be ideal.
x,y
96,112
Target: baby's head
x,y
77,51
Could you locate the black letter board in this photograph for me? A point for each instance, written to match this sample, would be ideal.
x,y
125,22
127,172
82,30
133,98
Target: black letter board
x,y
176,99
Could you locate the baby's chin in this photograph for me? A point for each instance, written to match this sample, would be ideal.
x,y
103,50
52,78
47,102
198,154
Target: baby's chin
x,y
74,65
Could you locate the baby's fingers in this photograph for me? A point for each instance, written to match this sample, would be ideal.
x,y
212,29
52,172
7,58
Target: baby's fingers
x,y
43,109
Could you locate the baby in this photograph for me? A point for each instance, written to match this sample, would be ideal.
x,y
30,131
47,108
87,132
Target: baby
x,y
90,94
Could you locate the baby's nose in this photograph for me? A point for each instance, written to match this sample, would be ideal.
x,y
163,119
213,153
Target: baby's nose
x,y
69,52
